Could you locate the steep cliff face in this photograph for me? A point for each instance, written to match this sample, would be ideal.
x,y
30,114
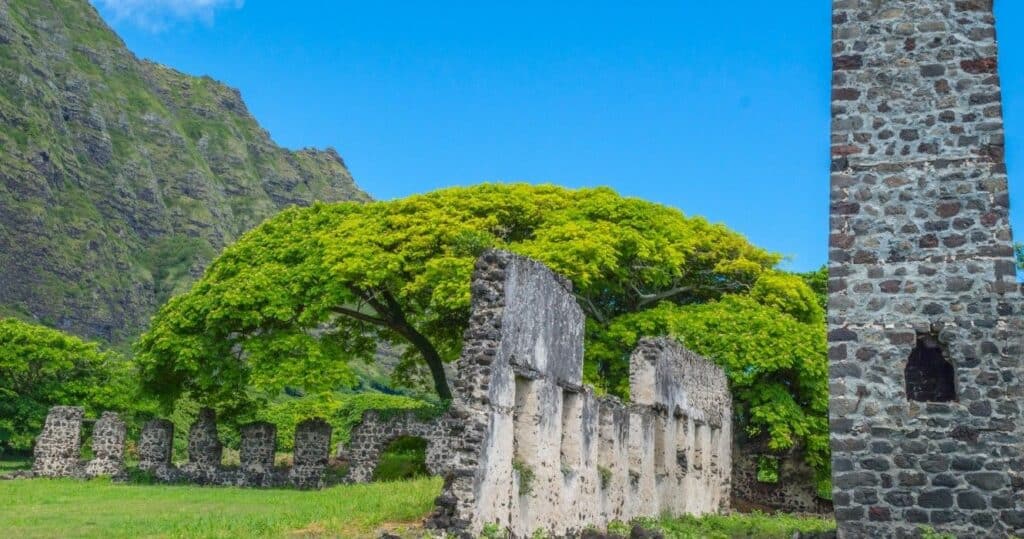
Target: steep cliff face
x,y
120,178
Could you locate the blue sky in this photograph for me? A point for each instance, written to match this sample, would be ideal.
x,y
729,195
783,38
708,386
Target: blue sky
x,y
718,108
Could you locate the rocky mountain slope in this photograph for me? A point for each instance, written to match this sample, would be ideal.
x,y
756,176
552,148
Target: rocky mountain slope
x,y
121,178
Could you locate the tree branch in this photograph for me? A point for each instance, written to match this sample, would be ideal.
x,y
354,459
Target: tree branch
x,y
351,313
647,299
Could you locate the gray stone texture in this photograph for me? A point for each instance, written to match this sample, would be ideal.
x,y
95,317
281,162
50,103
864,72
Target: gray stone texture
x,y
795,491
538,450
108,437
258,446
921,251
311,452
374,433
58,447
156,445
204,449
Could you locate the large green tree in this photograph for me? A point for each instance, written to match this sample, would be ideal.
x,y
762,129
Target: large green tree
x,y
311,289
42,367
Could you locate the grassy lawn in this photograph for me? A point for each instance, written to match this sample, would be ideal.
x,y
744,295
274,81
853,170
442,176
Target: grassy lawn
x,y
739,526
46,508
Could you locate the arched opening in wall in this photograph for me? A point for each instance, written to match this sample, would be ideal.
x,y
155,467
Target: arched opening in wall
x,y
929,376
404,457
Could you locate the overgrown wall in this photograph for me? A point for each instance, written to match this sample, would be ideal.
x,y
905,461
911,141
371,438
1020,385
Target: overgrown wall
x,y
795,491
537,450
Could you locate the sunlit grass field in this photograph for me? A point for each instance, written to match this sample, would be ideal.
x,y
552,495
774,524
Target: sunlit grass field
x,y
68,508
59,508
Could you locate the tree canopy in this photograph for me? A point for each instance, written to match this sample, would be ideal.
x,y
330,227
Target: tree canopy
x,y
42,367
296,299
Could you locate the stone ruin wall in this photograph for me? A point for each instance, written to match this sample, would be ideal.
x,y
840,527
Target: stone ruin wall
x,y
921,261
375,433
57,451
256,454
58,447
525,445
537,450
794,492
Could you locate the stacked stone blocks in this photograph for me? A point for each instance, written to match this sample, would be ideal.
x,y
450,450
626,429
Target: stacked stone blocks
x,y
921,258
375,432
58,447
538,450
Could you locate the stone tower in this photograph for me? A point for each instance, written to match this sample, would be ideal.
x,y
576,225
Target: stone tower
x,y
924,309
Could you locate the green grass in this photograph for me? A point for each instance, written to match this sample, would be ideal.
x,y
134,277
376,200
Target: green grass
x,y
41,508
404,458
737,526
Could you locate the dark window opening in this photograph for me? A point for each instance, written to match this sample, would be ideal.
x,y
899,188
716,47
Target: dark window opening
x,y
930,378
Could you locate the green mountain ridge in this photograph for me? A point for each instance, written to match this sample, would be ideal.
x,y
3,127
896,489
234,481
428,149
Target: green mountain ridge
x,y
120,178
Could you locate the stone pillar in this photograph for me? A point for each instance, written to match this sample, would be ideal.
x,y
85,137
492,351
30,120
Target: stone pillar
x,y
924,309
107,446
156,445
58,447
312,447
259,443
204,448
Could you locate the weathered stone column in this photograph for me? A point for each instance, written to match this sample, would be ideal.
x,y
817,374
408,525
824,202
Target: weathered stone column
x,y
58,447
204,449
107,446
312,448
156,445
259,443
924,308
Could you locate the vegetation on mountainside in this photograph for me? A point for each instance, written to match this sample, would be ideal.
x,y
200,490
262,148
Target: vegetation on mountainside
x,y
297,299
42,367
119,178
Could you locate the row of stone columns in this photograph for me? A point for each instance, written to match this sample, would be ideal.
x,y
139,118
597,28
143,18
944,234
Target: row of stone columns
x,y
256,454
58,447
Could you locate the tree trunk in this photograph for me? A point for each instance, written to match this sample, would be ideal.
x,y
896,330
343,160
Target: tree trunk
x,y
391,316
433,359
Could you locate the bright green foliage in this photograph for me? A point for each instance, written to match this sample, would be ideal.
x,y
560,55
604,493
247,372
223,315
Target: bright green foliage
x,y
768,469
404,458
42,367
818,281
1018,252
312,289
399,272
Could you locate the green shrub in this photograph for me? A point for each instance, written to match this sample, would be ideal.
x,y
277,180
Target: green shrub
x,y
526,476
606,476
768,469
